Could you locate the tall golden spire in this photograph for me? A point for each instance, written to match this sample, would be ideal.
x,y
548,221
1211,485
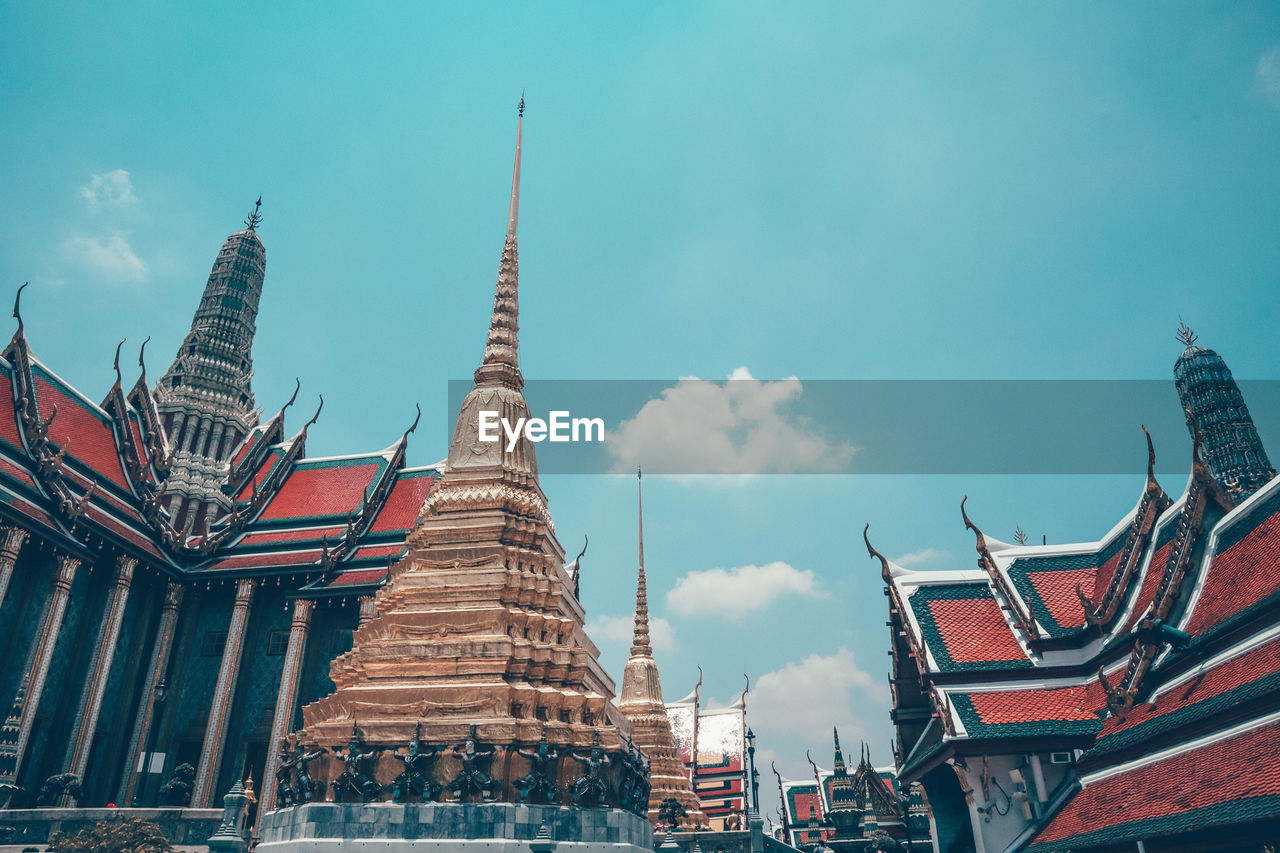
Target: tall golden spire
x,y
501,365
641,701
640,643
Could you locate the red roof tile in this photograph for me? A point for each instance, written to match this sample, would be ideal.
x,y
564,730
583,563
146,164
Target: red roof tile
x,y
1150,584
308,492
9,414
403,504
1228,675
92,441
1028,706
333,533
1230,771
250,561
355,576
259,476
384,551
1102,577
17,473
974,630
30,510
245,446
1057,589
1243,574
123,531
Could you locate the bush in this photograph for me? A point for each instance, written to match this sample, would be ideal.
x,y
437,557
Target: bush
x,y
113,836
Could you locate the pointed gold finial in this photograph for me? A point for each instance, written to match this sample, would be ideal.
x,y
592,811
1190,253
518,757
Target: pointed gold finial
x,y
501,362
513,216
640,644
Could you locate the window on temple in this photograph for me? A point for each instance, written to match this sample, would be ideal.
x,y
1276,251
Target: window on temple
x,y
213,644
277,641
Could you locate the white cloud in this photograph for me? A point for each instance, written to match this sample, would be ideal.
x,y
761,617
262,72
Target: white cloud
x,y
742,426
620,629
924,557
110,189
793,709
1267,74
109,256
733,593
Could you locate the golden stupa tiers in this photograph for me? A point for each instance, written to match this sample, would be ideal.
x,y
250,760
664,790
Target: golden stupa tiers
x,y
478,624
642,703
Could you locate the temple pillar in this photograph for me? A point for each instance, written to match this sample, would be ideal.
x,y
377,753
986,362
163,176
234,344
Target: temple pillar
x,y
368,610
215,734
175,436
202,433
14,537
215,443
286,698
153,688
99,669
22,715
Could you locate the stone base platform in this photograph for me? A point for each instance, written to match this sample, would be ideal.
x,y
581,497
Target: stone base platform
x,y
451,828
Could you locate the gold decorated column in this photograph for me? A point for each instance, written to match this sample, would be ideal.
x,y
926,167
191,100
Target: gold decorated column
x,y
100,668
157,671
215,734
22,715
286,698
14,537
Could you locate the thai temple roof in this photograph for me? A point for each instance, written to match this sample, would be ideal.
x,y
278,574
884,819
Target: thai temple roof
x,y
79,472
1153,652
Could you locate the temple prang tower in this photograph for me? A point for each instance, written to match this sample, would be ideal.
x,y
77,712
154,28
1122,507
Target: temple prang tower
x,y
1233,451
204,399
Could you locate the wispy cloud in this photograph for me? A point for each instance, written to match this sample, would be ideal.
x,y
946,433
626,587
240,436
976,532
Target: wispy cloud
x,y
742,426
733,593
109,256
924,558
1267,75
620,629
109,189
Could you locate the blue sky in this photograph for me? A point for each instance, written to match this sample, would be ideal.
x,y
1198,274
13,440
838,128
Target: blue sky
x,y
823,191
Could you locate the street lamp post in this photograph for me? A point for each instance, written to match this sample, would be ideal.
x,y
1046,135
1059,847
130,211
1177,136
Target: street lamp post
x,y
156,707
755,777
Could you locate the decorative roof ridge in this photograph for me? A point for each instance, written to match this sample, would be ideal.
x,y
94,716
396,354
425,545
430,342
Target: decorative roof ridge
x,y
1019,610
1248,644
346,457
1144,520
1242,509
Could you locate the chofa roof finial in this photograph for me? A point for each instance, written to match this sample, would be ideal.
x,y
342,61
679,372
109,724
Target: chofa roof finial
x,y
17,309
115,362
872,552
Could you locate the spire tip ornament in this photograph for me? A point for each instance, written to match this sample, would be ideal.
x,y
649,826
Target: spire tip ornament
x,y
254,219
1185,336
